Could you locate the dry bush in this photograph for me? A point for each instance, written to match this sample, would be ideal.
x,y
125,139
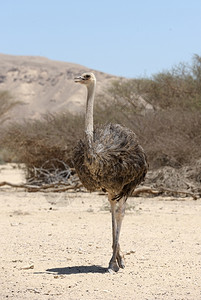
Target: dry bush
x,y
37,142
171,134
170,138
178,88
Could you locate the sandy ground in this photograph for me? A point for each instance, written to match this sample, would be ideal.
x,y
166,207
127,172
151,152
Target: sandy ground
x,y
57,246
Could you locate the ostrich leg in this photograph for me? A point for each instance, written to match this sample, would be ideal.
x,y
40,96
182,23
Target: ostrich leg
x,y
117,211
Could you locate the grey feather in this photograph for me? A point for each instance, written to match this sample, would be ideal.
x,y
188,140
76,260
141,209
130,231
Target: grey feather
x,y
114,161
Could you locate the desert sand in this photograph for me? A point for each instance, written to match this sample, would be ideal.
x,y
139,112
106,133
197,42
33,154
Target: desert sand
x,y
58,246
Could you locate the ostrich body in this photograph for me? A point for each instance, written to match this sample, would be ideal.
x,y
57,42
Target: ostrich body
x,y
109,158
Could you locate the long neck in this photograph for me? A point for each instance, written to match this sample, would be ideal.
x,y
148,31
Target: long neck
x,y
89,112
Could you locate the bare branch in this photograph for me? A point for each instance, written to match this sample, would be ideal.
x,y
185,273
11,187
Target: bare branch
x,y
161,191
62,187
43,188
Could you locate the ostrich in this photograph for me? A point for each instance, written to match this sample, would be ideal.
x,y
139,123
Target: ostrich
x,y
109,158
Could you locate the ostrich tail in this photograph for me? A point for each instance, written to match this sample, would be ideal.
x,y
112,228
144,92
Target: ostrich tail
x,y
125,192
121,195
118,197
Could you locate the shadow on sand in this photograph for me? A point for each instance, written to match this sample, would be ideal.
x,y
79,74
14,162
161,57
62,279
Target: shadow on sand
x,y
78,270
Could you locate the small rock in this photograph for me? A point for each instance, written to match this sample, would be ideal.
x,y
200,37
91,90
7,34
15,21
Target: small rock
x,y
80,251
27,267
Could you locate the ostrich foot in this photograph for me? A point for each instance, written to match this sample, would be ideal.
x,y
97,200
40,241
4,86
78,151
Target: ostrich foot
x,y
121,262
113,267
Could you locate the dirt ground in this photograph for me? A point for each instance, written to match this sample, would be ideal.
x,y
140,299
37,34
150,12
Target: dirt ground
x,y
58,246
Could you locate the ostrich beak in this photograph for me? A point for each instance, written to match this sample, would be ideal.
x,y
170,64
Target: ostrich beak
x,y
79,79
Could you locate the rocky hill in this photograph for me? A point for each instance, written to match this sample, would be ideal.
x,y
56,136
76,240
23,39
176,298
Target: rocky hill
x,y
44,85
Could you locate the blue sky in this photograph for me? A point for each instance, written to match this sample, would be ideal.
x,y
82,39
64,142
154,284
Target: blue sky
x,y
127,38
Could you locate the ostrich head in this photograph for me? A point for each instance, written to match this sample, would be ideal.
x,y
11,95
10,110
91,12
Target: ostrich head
x,y
86,78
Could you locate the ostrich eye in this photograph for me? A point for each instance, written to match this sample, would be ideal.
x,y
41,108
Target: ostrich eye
x,y
87,76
